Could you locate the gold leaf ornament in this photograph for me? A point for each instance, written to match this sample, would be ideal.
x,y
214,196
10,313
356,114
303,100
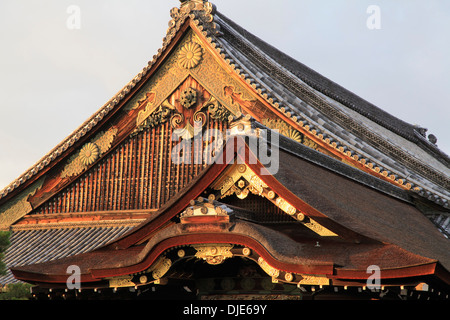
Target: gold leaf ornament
x,y
283,128
214,254
188,97
89,153
190,55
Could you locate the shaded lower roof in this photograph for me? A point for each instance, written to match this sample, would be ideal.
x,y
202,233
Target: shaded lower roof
x,y
277,249
38,246
364,204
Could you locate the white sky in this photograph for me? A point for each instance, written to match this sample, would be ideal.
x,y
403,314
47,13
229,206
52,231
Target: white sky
x,y
53,78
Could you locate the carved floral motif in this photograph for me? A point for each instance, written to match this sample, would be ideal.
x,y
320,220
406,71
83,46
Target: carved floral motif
x,y
214,254
210,74
89,153
161,115
190,55
216,110
188,97
284,129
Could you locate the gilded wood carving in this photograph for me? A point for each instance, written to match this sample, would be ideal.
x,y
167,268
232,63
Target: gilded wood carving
x,y
271,271
191,59
189,118
89,153
161,267
161,115
190,55
216,110
121,282
240,180
314,280
204,208
214,254
13,211
289,132
188,110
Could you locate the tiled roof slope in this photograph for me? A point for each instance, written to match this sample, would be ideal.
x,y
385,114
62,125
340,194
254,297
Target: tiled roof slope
x,y
35,246
335,91
438,217
357,125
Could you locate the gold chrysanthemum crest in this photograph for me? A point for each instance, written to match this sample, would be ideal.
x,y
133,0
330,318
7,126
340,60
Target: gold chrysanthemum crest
x,y
89,153
190,55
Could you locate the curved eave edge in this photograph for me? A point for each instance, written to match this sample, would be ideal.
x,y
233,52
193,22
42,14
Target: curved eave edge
x,y
329,270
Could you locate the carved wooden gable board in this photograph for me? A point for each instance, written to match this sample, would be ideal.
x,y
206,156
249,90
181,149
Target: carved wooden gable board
x,y
124,163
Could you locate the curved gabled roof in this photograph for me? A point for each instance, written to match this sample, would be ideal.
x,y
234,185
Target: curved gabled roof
x,y
237,47
367,206
363,205
387,231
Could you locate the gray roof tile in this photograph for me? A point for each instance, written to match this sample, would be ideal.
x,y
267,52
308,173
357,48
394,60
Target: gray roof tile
x,y
35,246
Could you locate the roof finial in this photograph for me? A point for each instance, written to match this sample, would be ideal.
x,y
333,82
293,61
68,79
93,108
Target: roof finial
x,y
202,11
197,5
186,2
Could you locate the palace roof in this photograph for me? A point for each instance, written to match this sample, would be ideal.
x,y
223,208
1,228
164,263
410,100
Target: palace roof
x,y
355,185
356,126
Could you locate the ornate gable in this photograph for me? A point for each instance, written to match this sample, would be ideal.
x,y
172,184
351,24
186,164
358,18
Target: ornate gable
x,y
191,82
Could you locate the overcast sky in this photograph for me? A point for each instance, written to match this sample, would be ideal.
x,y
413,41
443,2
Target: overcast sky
x,y
52,78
